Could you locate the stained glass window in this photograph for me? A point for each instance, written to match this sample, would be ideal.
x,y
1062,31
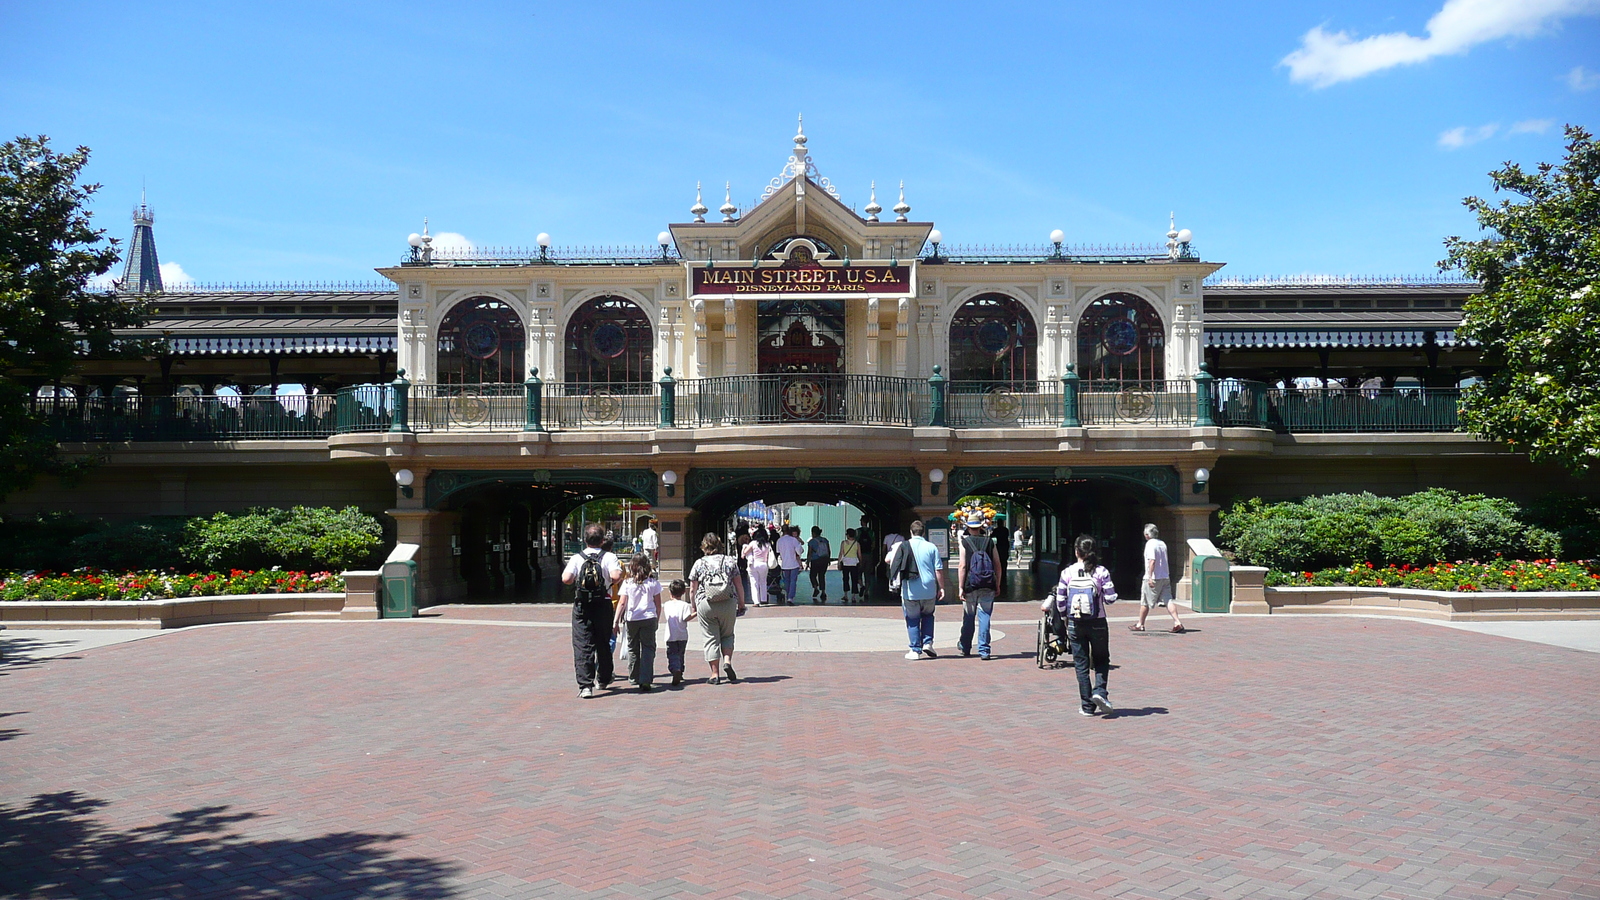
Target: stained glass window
x,y
1120,338
993,338
481,342
609,341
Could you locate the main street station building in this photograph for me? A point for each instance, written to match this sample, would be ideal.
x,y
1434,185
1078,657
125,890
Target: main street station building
x,y
794,351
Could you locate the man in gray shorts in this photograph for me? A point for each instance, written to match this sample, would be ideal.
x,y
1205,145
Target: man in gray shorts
x,y
1156,586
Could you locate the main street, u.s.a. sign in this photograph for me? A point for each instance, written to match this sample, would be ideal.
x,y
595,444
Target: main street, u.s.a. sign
x,y
858,279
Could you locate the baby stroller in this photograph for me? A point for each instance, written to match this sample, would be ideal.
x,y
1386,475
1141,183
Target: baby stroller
x,y
1052,652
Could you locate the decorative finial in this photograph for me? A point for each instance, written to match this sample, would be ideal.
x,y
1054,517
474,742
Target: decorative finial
x,y
873,208
901,208
698,210
728,209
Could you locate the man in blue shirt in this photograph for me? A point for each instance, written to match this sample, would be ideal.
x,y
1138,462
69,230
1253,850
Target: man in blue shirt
x,y
918,595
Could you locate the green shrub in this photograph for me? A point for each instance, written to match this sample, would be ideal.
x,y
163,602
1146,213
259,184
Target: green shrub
x,y
297,538
1348,529
42,542
142,544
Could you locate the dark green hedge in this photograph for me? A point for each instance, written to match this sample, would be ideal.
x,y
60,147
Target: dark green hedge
x,y
302,538
1427,527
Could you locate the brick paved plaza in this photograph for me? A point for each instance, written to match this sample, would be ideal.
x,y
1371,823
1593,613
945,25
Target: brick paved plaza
x,y
1282,757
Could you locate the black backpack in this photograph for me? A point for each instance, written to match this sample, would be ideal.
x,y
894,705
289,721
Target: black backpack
x,y
591,581
980,565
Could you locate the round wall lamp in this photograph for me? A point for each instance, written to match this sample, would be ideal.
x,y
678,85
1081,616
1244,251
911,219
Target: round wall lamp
x,y
405,478
670,479
936,478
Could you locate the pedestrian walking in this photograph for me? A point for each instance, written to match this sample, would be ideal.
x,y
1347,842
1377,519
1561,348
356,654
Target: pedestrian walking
x,y
979,576
719,599
921,591
1081,597
819,555
850,566
650,539
790,551
758,559
639,612
592,571
1155,589
679,613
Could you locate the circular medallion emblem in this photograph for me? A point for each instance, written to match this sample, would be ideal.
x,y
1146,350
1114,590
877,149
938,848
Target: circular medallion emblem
x,y
608,341
1120,337
604,407
1135,406
993,337
481,340
1000,405
469,410
802,398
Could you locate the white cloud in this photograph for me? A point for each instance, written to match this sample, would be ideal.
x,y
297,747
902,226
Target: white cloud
x,y
452,244
173,274
1531,126
1581,79
1329,57
1462,136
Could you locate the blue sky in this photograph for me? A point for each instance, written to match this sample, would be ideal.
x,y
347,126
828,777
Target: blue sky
x,y
288,142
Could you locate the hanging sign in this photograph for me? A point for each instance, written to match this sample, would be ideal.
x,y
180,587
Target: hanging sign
x,y
878,279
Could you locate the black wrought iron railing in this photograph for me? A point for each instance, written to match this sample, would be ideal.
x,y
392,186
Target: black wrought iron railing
x,y
187,417
739,400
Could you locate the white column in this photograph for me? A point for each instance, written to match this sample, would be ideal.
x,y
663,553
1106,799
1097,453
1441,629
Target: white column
x,y
902,332
730,337
871,332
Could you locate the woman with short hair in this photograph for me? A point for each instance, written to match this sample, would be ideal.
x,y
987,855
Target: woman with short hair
x,y
718,593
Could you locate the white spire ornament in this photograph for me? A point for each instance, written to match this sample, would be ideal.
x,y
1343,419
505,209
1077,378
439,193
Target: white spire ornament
x,y
698,210
873,208
901,208
728,209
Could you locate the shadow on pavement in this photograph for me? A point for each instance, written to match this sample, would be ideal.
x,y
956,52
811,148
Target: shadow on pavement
x,y
54,848
1124,713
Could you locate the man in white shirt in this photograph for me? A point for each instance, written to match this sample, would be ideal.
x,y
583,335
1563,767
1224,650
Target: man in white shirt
x,y
1156,588
790,556
591,610
651,542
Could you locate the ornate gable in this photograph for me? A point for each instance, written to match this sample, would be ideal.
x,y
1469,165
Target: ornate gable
x,y
799,202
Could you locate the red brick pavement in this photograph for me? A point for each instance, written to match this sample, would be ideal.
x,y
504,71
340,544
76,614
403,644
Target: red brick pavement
x,y
1262,758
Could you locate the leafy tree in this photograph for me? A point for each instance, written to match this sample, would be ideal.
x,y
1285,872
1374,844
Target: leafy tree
x,y
1539,314
49,319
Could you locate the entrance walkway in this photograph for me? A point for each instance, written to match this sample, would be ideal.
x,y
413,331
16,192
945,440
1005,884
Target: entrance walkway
x,y
1254,757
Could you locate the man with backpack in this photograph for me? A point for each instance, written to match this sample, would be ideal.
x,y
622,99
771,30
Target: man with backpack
x,y
592,571
980,575
916,566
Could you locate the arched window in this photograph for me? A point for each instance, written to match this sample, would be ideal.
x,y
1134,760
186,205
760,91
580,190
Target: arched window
x,y
480,342
609,341
1120,338
993,338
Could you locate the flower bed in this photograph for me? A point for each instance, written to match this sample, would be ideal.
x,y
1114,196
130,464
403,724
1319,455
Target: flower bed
x,y
89,584
1496,575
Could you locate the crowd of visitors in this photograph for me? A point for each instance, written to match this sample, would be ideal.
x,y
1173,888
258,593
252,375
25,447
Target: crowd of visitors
x,y
610,602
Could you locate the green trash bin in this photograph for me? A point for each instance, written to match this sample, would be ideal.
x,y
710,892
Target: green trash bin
x,y
1210,578
400,583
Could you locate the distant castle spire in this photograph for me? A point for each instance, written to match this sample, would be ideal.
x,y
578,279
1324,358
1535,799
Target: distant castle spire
x,y
143,272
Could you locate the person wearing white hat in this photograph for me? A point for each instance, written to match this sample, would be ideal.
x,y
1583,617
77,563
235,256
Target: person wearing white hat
x,y
979,576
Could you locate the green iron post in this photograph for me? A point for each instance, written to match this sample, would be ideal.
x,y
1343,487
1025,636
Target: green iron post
x,y
1069,399
533,396
402,402
669,399
1203,417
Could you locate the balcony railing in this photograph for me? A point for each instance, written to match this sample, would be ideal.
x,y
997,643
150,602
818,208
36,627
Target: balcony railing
x,y
188,417
745,400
